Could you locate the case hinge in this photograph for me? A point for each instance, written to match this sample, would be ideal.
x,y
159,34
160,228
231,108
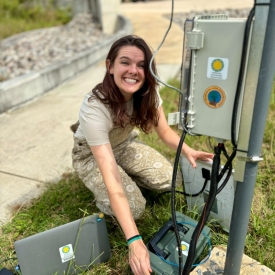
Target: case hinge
x,y
194,39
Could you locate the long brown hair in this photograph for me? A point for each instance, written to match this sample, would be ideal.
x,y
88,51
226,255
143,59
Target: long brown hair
x,y
145,103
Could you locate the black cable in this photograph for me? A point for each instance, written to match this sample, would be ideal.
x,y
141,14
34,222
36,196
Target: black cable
x,y
220,188
241,76
228,166
185,194
156,198
173,191
205,213
196,194
180,192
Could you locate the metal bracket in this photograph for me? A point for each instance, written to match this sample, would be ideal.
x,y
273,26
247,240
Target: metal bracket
x,y
173,118
250,159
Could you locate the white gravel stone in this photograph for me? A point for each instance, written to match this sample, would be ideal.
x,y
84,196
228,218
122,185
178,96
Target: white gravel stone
x,y
48,46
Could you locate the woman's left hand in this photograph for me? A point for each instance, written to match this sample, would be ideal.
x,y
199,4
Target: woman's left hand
x,y
192,155
171,139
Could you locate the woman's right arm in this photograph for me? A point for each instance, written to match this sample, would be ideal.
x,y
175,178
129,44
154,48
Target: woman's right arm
x,y
138,253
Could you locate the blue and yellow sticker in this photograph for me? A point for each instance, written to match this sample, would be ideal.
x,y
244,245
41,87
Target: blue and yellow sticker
x,y
217,65
100,217
184,247
214,96
66,253
217,68
66,249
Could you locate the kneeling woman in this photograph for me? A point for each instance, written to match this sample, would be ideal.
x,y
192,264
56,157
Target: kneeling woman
x,y
108,158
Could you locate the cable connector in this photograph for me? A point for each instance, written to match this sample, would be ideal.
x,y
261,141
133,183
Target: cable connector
x,y
206,173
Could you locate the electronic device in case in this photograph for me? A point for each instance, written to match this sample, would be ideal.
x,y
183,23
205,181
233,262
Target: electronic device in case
x,y
209,77
163,248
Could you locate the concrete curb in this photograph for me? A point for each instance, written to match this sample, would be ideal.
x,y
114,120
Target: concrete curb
x,y
21,89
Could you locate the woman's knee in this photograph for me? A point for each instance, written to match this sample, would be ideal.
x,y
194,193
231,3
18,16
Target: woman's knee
x,y
137,208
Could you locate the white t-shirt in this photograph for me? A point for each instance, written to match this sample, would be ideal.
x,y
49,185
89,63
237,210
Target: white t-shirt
x,y
96,122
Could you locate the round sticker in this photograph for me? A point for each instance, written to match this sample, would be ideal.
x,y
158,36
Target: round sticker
x,y
217,65
214,96
101,215
66,249
184,247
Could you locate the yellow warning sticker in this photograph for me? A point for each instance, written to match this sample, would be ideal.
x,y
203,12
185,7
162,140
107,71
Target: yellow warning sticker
x,y
214,96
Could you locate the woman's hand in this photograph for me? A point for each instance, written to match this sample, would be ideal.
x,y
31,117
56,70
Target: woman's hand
x,y
139,258
171,139
192,155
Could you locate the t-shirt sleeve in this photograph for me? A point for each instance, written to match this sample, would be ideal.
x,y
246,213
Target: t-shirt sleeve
x,y
160,101
95,121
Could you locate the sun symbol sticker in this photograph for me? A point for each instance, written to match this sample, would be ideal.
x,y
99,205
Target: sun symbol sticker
x,y
217,68
217,65
66,253
214,96
66,249
184,248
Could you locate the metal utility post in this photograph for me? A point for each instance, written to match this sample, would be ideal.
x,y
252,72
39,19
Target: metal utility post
x,y
264,50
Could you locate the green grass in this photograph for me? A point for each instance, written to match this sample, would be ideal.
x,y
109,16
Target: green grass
x,y
69,200
17,16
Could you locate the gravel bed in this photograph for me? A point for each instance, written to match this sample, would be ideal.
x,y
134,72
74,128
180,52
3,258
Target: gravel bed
x,y
48,46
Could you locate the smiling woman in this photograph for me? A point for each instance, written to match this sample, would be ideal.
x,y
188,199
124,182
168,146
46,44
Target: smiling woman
x,y
128,70
107,156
